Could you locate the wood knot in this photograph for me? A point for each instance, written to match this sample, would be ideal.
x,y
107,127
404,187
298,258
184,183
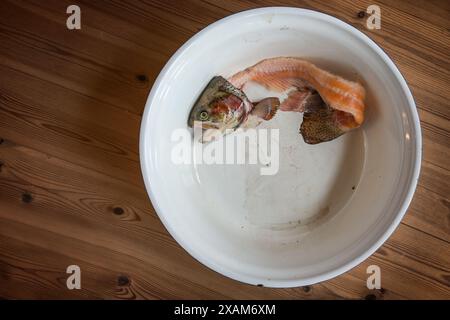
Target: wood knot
x,y
371,297
123,281
26,197
361,14
142,78
118,211
260,285
2,140
307,289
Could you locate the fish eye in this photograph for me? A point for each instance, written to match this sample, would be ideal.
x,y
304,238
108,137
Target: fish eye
x,y
203,115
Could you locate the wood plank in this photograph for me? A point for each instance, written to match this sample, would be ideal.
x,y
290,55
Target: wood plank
x,y
70,111
29,271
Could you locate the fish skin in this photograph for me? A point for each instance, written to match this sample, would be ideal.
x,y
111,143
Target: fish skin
x,y
266,108
319,125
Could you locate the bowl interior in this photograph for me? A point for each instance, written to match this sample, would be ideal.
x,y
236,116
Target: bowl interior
x,y
330,205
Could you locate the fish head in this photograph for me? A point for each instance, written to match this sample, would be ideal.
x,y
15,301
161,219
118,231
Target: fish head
x,y
220,106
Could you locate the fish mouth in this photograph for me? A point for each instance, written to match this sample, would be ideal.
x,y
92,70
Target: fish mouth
x,y
204,125
207,126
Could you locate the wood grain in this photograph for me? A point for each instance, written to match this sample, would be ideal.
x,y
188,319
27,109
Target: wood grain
x,y
71,190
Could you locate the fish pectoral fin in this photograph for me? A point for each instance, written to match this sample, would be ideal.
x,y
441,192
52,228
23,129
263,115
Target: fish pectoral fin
x,y
266,108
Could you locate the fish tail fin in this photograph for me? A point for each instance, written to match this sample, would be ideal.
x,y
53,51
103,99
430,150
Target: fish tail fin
x,y
324,124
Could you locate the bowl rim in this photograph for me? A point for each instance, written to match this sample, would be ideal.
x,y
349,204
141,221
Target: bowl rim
x,y
346,266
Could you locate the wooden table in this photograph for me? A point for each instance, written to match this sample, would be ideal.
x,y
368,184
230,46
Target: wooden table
x,y
71,190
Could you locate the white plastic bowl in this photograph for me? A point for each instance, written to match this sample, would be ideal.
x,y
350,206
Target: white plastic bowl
x,y
331,205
